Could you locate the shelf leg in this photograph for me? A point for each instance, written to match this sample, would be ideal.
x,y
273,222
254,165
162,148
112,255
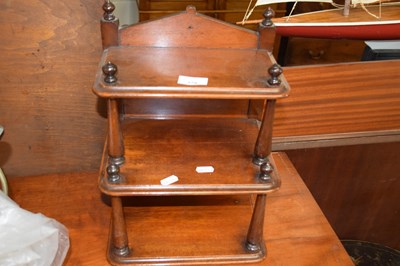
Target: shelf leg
x,y
119,233
115,140
264,140
255,233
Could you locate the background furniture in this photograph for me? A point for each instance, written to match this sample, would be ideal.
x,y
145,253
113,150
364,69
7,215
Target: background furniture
x,y
296,51
231,11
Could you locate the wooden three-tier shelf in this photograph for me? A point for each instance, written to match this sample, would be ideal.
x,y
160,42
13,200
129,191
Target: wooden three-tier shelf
x,y
217,61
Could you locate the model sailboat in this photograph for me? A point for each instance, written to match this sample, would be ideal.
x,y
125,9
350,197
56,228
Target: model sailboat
x,y
355,20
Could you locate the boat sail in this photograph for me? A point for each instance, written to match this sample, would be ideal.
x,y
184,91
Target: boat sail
x,y
356,20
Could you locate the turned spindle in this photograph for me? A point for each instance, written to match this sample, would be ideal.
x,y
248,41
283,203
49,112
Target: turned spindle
x,y
113,173
268,14
110,70
108,9
274,71
266,171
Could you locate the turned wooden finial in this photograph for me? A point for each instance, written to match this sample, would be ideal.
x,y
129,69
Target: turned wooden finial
x,y
109,71
113,173
268,14
108,8
265,171
274,71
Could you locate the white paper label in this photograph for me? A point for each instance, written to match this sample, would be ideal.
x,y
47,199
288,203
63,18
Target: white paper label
x,y
169,180
193,81
204,169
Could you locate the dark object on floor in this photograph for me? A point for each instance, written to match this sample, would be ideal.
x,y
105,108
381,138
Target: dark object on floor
x,y
371,254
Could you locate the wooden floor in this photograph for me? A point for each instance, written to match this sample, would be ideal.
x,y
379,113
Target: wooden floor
x,y
296,232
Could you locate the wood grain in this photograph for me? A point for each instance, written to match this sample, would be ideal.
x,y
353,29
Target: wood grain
x,y
357,187
340,98
296,232
198,25
156,149
49,51
230,73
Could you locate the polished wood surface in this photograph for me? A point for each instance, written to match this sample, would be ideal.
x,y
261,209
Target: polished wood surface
x,y
198,26
156,149
49,52
330,100
153,72
296,232
357,187
180,108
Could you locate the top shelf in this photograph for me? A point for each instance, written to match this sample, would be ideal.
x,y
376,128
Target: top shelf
x,y
153,72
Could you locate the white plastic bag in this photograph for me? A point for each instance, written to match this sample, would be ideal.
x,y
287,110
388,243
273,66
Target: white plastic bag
x,y
30,239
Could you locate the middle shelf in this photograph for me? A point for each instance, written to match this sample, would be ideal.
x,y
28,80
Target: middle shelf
x,y
156,149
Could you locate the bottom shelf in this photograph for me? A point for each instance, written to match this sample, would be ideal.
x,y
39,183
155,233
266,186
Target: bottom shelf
x,y
206,230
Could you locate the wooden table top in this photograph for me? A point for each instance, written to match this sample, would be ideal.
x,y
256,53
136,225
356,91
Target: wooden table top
x,y
296,231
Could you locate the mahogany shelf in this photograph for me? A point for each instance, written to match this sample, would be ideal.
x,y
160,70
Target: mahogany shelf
x,y
156,149
188,230
153,72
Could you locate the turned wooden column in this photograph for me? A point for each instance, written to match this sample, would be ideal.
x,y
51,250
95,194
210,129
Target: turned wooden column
x,y
255,232
267,31
263,145
119,234
109,25
109,34
262,150
264,140
115,138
